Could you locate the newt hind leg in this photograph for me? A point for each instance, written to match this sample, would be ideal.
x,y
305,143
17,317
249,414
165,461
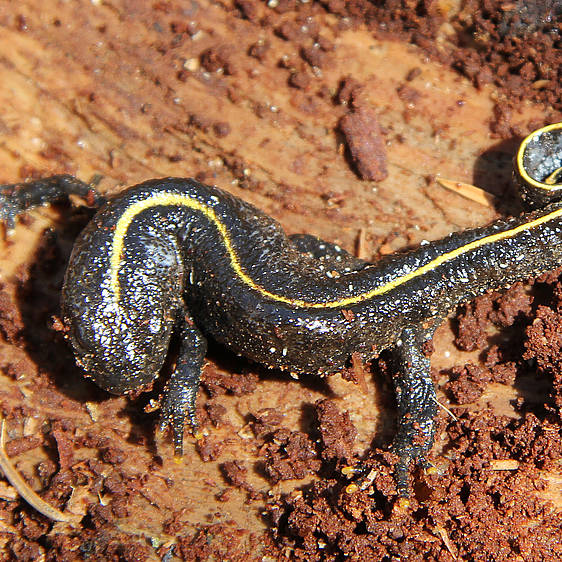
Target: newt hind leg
x,y
417,406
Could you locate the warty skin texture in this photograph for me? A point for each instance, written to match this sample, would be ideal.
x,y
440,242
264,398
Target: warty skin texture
x,y
175,265
176,255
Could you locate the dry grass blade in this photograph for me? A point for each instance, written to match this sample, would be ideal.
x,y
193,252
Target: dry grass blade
x,y
469,191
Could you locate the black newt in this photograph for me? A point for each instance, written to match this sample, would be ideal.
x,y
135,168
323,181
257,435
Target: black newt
x,y
176,255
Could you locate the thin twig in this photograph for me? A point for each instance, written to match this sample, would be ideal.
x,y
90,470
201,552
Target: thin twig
x,y
361,250
445,538
446,409
23,489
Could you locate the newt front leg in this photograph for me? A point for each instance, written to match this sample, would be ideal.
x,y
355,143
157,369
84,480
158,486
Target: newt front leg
x,y
180,392
17,198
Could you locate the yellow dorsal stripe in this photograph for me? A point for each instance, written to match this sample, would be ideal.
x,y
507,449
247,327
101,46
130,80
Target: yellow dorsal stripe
x,y
175,200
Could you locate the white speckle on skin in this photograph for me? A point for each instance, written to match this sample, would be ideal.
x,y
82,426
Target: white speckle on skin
x,y
154,325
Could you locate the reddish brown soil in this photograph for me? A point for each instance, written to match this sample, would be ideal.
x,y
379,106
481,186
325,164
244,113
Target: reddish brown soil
x,y
335,117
